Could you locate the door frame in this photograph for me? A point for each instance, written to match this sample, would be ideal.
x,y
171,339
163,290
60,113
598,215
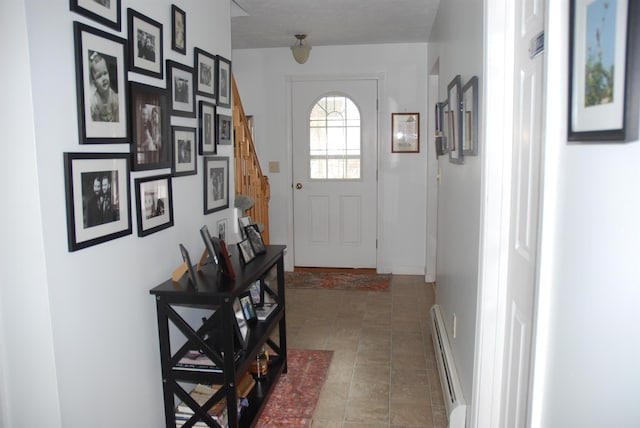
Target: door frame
x,y
289,261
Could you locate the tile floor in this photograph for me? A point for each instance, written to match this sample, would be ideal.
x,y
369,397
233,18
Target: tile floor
x,y
383,372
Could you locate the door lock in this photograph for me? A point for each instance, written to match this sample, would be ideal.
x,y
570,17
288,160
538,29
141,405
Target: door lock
x,y
298,186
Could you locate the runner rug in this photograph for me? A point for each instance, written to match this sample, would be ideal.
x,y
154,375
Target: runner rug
x,y
295,396
338,280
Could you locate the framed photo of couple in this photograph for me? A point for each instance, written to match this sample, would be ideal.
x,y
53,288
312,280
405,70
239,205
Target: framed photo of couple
x,y
150,143
101,83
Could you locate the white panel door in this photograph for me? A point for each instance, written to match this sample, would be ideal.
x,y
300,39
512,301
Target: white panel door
x,y
525,201
334,218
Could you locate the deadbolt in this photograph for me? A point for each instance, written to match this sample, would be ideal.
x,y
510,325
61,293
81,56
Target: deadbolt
x,y
298,186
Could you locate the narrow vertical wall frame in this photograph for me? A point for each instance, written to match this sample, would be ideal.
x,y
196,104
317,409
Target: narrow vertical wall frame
x,y
470,117
454,90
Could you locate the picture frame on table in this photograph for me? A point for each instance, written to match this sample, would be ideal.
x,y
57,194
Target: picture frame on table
x,y
212,251
470,117
216,183
221,225
180,85
248,309
244,222
246,251
255,238
178,29
405,132
257,293
146,53
184,151
154,204
223,78
101,86
205,67
150,147
454,92
97,198
225,129
603,45
105,12
191,274
242,327
207,128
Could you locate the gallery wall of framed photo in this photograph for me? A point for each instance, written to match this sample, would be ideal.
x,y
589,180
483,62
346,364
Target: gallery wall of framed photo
x,y
142,86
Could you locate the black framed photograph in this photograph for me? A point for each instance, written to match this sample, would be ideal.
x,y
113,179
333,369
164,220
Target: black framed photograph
x,y
191,274
246,251
154,203
205,67
221,225
255,238
145,45
405,132
184,151
224,82
97,198
101,86
208,244
257,293
181,92
601,73
242,328
439,133
470,117
179,29
150,145
248,309
216,184
244,222
106,12
225,129
206,127
454,91
446,130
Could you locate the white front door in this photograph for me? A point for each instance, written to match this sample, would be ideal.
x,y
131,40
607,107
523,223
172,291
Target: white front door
x,y
525,205
335,125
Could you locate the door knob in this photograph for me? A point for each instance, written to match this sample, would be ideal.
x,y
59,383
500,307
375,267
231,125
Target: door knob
x,y
298,186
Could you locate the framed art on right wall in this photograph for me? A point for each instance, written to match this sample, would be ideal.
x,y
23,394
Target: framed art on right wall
x,y
603,45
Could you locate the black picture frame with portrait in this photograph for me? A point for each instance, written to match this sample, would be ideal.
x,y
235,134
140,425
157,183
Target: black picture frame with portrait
x,y
216,183
255,238
207,128
241,325
178,29
97,198
181,92
243,222
205,67
184,159
101,86
224,129
246,251
105,12
154,204
223,77
248,309
221,226
150,147
146,53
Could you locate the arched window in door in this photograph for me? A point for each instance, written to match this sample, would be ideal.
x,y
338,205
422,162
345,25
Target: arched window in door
x,y
334,139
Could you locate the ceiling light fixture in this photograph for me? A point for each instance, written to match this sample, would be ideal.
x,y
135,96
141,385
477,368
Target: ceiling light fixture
x,y
300,51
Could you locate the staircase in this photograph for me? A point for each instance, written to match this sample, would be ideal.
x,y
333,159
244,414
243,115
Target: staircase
x,y
249,178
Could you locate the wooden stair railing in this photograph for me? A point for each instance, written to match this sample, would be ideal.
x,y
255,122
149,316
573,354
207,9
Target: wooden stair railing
x,y
249,178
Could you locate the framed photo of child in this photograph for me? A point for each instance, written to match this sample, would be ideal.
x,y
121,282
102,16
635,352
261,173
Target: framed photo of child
x,y
101,84
150,146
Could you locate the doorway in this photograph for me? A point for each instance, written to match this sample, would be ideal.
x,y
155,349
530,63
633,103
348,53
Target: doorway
x,y
334,153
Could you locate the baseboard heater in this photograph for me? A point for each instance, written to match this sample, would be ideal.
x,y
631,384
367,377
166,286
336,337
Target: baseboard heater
x,y
449,380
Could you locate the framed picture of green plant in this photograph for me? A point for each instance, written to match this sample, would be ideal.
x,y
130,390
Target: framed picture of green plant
x,y
603,43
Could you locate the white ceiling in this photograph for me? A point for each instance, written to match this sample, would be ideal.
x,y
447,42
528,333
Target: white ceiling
x,y
273,23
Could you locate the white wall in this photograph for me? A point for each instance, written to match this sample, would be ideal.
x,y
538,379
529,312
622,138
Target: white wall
x,y
587,371
262,75
87,316
456,46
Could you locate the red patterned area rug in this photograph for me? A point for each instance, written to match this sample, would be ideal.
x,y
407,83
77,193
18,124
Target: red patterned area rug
x,y
296,394
338,281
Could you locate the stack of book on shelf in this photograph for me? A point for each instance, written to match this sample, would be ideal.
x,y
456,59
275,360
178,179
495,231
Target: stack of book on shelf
x,y
202,393
196,360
